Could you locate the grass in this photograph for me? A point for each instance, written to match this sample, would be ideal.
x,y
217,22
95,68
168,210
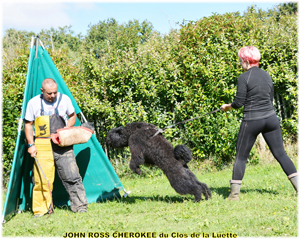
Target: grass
x,y
267,208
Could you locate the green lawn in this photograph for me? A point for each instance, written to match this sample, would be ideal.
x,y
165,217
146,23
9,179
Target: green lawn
x,y
267,208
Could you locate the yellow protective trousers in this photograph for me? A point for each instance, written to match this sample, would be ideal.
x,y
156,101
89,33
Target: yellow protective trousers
x,y
41,196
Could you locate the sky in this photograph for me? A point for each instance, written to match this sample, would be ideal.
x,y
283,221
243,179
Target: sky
x,y
30,15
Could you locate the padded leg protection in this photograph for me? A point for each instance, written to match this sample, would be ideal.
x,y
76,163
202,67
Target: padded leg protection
x,y
41,197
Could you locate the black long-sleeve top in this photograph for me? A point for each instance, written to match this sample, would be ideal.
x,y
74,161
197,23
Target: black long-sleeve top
x,y
255,91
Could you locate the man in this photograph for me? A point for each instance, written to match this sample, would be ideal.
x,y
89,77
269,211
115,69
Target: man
x,y
48,112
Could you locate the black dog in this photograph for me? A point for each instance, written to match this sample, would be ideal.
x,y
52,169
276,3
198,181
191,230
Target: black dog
x,y
146,149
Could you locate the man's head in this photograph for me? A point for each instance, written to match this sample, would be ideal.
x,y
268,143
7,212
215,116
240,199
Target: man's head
x,y
49,90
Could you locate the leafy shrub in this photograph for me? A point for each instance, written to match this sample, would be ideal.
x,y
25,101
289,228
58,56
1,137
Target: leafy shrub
x,y
14,76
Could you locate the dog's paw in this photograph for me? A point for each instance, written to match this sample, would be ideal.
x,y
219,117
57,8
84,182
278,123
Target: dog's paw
x,y
138,171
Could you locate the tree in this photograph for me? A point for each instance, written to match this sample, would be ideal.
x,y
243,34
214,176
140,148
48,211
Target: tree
x,y
288,8
61,38
107,35
55,39
13,41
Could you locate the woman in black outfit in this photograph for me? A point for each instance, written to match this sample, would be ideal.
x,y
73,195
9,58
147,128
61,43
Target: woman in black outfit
x,y
255,92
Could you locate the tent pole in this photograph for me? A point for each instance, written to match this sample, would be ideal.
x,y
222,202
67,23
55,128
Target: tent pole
x,y
32,42
20,125
41,44
83,117
27,77
36,46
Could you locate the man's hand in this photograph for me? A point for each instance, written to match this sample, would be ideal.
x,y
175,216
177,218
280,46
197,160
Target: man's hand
x,y
32,151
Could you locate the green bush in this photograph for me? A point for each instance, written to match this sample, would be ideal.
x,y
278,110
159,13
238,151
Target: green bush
x,y
14,76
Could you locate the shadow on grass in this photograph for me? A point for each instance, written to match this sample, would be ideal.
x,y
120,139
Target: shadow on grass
x,y
225,191
157,198
222,191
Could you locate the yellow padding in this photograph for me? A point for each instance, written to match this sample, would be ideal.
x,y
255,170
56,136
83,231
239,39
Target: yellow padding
x,y
42,126
41,198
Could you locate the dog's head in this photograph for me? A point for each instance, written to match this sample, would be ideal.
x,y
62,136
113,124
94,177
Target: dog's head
x,y
117,138
183,153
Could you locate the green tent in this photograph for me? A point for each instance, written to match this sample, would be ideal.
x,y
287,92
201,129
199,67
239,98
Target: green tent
x,y
98,176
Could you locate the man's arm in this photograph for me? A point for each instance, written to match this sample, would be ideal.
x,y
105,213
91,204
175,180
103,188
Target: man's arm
x,y
71,120
29,136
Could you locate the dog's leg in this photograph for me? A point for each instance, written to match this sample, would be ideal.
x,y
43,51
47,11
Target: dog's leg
x,y
205,190
198,196
137,158
135,168
201,188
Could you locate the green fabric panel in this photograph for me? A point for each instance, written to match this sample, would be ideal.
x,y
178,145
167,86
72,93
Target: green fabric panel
x,y
14,188
99,178
12,199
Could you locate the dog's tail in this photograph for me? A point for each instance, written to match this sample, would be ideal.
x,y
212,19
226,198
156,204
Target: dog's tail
x,y
183,153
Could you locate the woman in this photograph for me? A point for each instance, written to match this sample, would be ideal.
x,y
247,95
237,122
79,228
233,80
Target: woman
x,y
255,92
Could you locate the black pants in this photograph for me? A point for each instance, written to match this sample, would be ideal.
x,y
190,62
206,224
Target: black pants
x,y
270,129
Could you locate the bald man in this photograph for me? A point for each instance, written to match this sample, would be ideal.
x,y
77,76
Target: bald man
x,y
50,111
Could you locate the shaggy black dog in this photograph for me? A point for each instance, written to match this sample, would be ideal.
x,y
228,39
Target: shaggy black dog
x,y
146,149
